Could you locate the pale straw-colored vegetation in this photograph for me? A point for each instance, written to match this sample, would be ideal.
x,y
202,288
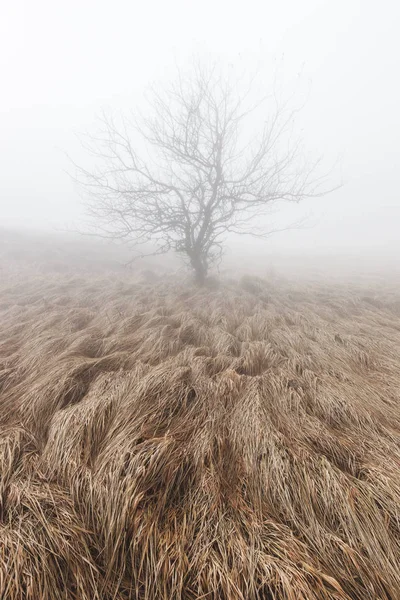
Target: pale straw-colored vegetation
x,y
160,441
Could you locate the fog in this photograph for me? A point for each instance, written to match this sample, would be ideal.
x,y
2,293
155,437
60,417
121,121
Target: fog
x,y
61,63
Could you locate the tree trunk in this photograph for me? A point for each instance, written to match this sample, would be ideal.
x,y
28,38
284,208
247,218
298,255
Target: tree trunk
x,y
200,276
200,269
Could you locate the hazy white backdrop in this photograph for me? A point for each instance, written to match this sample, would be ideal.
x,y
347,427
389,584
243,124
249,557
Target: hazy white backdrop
x,y
61,62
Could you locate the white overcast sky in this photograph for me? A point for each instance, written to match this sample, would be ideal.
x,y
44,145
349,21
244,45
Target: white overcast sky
x,y
61,62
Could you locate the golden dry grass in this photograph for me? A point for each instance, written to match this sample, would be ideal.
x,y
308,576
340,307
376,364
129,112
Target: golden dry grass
x,y
164,442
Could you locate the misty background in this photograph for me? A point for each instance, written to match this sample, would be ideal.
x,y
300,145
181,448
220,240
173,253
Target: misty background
x,y
61,63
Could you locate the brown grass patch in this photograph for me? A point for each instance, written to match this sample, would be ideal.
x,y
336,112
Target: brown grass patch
x,y
163,442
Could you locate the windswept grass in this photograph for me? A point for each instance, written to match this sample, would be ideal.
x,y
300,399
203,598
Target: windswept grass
x,y
163,442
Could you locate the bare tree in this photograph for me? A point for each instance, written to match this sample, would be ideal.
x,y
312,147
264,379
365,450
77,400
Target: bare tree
x,y
197,175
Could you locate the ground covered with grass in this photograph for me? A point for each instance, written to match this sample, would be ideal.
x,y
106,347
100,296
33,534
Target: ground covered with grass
x,y
160,441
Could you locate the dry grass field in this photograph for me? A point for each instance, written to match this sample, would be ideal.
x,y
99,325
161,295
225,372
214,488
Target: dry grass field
x,y
160,441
